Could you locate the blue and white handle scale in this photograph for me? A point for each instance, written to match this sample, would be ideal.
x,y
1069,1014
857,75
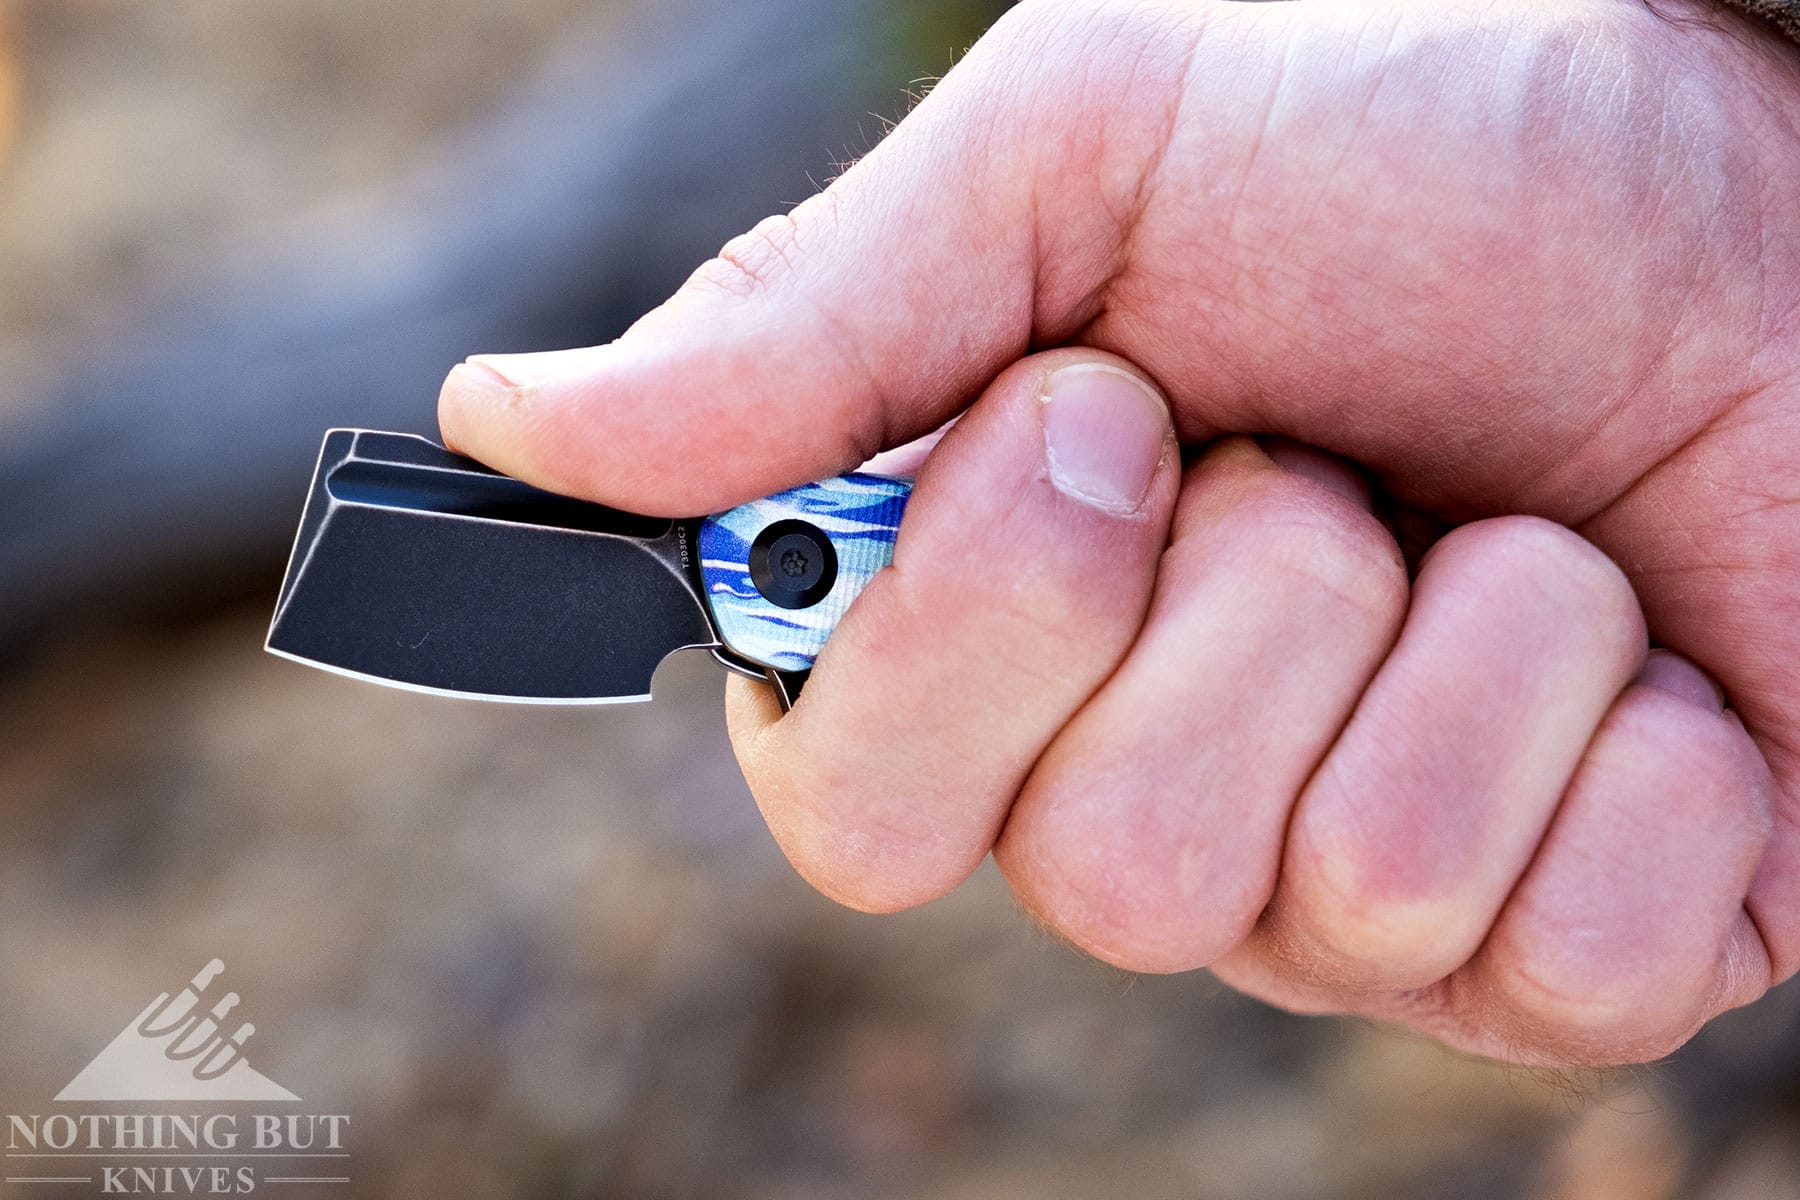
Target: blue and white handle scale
x,y
780,572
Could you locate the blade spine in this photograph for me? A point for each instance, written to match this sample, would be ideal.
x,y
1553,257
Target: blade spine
x,y
648,543
358,435
444,516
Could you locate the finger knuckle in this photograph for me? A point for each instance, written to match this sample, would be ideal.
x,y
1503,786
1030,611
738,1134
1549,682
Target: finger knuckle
x,y
1571,1017
753,262
1120,901
1705,773
1326,549
875,868
1096,911
1539,564
868,852
1345,927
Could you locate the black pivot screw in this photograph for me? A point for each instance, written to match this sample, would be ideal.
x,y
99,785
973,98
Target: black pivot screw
x,y
793,564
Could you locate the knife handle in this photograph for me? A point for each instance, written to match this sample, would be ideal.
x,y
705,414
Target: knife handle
x,y
779,572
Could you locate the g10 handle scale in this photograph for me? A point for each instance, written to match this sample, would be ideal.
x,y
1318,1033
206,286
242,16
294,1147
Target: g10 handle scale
x,y
778,573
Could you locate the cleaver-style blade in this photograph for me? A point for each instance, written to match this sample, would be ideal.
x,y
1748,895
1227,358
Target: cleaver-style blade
x,y
419,568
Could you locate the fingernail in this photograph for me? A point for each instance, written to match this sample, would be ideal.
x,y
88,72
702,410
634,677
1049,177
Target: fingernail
x,y
528,370
1672,673
1332,472
477,377
1105,431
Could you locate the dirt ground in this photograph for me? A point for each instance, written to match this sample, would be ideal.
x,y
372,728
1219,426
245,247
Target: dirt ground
x,y
540,952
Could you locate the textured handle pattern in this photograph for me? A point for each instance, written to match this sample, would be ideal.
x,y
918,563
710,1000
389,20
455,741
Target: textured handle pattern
x,y
860,514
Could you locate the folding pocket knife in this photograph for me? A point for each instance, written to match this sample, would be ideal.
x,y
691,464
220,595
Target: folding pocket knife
x,y
419,568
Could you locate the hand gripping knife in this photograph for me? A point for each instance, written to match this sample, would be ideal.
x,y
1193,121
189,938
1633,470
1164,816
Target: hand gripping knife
x,y
419,568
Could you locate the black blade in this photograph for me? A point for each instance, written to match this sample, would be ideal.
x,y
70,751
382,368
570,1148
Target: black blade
x,y
420,568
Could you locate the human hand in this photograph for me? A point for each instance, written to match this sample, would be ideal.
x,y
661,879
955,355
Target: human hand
x,y
1534,267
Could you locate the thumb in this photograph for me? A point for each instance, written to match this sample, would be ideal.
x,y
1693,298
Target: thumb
x,y
863,318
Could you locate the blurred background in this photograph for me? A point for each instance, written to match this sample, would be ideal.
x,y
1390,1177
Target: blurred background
x,y
541,953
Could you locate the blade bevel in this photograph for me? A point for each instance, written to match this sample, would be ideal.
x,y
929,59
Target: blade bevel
x,y
449,693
